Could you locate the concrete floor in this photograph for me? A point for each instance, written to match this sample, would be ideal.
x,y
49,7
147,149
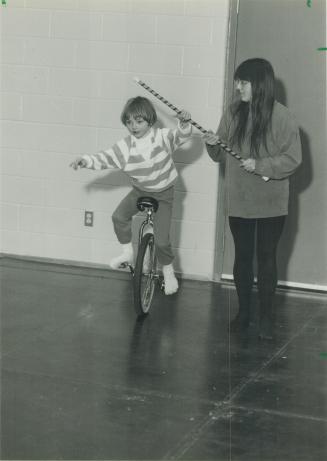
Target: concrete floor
x,y
81,379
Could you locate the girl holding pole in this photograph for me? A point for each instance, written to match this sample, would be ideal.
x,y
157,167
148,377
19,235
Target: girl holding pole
x,y
267,137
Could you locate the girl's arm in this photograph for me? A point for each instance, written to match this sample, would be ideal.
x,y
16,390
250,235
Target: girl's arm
x,y
289,158
217,153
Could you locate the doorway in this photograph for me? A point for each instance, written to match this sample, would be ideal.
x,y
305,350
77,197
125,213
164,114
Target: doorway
x,y
289,34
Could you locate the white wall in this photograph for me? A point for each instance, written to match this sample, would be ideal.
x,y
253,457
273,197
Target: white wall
x,y
67,70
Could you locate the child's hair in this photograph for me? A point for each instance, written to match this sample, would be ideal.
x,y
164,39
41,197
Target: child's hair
x,y
139,107
260,74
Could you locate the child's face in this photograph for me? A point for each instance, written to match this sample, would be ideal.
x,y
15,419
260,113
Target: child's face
x,y
137,126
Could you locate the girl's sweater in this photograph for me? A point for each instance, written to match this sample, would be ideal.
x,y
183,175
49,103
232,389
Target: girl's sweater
x,y
147,161
248,195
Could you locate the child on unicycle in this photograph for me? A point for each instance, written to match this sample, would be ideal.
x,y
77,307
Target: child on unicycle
x,y
145,155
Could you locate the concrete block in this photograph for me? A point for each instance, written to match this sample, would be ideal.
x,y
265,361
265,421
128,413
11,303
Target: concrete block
x,y
155,59
23,22
47,109
74,83
76,25
11,106
102,55
184,30
129,28
31,80
49,52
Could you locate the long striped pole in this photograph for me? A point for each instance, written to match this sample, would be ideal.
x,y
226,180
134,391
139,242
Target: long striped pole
x,y
192,122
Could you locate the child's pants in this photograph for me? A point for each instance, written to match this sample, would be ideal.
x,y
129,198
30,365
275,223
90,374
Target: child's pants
x,y
122,220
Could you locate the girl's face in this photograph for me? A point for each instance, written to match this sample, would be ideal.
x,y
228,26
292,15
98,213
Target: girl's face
x,y
137,126
245,89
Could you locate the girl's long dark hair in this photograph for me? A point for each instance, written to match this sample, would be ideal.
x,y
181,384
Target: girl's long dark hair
x,y
260,74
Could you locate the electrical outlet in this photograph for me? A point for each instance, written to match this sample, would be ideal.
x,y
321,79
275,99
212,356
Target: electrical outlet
x,y
88,218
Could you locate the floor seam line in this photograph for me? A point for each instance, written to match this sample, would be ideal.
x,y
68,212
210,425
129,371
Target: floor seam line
x,y
238,389
283,414
195,434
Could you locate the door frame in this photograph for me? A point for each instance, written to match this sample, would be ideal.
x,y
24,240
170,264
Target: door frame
x,y
221,216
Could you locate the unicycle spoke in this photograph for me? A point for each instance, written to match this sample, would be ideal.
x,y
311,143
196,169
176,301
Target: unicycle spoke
x,y
146,293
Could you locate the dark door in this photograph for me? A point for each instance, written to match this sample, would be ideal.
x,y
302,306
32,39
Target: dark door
x,y
289,34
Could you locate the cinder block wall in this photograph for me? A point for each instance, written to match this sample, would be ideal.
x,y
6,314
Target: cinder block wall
x,y
67,69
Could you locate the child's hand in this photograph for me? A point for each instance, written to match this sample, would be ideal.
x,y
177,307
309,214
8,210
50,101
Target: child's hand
x,y
184,117
210,138
80,162
248,165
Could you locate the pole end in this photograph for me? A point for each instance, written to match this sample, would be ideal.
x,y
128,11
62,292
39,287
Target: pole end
x,y
136,79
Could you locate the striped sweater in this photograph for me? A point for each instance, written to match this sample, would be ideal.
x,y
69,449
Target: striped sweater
x,y
147,161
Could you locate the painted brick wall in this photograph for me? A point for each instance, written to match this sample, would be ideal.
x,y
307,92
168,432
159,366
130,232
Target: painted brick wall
x,y
67,68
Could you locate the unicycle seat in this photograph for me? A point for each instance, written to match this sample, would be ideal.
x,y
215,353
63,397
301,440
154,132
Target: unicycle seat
x,y
144,203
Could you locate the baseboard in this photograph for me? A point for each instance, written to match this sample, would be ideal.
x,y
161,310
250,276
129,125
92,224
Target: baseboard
x,y
88,265
296,286
55,261
292,285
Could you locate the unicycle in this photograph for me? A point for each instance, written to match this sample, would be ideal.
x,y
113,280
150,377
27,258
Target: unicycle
x,y
145,273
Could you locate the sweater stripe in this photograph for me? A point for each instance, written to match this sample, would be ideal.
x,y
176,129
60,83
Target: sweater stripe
x,y
154,169
160,182
121,152
105,160
133,161
156,151
146,164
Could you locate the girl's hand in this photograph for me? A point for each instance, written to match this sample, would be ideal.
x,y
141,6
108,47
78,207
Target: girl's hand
x,y
210,138
78,163
248,165
184,117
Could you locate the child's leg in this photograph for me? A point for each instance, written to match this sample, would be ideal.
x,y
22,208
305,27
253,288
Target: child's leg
x,y
162,223
122,221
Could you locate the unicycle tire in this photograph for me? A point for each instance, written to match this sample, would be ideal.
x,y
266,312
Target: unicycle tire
x,y
145,275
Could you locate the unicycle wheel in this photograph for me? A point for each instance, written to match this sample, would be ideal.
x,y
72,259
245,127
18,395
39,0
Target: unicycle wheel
x,y
145,275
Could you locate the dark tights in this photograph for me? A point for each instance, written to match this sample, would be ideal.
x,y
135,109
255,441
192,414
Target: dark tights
x,y
268,232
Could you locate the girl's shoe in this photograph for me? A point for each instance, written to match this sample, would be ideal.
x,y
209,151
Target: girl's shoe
x,y
266,322
239,323
266,330
125,258
171,283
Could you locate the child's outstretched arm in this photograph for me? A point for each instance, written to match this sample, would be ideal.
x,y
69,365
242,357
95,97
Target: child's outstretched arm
x,y
114,157
79,162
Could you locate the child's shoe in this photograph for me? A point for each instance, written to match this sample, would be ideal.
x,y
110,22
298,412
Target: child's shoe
x,y
125,257
171,284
